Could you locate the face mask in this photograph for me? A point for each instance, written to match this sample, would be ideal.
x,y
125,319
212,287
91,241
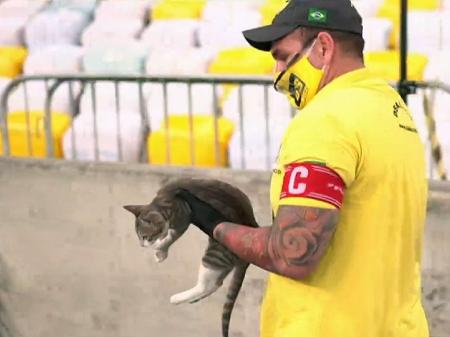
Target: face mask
x,y
300,81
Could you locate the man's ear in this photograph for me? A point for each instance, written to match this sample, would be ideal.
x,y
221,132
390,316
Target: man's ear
x,y
327,46
135,209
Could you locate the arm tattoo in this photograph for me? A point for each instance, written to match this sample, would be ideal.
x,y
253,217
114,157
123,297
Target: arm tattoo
x,y
292,247
300,235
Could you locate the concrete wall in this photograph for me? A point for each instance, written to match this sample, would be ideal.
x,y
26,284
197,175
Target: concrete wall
x,y
70,264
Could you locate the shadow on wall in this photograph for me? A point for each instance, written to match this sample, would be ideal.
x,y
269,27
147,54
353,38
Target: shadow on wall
x,y
7,328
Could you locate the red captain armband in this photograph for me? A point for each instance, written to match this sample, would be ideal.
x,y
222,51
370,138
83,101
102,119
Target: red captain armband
x,y
308,180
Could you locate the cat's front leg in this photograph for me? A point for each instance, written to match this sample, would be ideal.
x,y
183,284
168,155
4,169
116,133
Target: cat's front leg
x,y
161,246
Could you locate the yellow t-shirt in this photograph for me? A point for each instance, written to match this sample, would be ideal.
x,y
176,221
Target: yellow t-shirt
x,y
368,282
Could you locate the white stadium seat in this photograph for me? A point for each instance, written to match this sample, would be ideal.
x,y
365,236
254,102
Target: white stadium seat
x,y
32,95
367,8
14,15
122,9
254,126
20,8
85,6
112,29
80,140
376,33
172,61
178,101
50,27
115,58
54,60
170,33
107,117
223,22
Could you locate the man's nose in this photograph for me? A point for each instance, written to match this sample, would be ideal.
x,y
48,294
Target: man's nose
x,y
280,66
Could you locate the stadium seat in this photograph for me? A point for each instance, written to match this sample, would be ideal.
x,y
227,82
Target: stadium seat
x,y
111,30
115,58
85,6
107,130
438,67
20,8
224,34
59,26
177,9
270,8
11,30
122,9
171,34
11,61
377,32
231,13
386,65
22,134
179,136
167,61
434,37
54,60
390,9
253,132
105,97
242,61
367,8
178,101
32,96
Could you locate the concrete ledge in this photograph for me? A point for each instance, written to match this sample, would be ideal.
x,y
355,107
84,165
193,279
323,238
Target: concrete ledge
x,y
70,261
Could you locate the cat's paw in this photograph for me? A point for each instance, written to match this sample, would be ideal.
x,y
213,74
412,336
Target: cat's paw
x,y
160,255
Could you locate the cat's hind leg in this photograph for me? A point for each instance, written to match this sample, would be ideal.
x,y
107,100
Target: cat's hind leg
x,y
209,280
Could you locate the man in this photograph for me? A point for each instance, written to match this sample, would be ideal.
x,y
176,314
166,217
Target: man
x,y
349,192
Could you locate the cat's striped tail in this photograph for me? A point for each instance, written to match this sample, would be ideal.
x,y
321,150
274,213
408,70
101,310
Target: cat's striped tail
x,y
232,294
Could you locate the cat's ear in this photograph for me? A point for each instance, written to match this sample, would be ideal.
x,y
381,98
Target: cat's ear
x,y
135,209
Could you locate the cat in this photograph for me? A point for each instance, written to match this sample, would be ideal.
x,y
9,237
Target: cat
x,y
160,223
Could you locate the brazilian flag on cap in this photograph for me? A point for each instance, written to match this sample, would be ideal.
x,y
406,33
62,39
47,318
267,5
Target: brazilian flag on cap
x,y
316,15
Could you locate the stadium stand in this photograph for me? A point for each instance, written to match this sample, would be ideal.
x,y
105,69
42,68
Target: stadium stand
x,y
189,38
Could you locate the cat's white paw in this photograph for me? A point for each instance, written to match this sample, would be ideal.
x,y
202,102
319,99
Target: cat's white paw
x,y
160,255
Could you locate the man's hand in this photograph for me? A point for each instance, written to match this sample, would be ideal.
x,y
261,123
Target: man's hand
x,y
203,215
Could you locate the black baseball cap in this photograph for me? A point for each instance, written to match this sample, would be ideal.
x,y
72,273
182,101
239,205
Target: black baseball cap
x,y
334,15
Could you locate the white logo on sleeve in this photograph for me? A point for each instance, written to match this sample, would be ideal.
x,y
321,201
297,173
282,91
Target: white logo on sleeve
x,y
294,187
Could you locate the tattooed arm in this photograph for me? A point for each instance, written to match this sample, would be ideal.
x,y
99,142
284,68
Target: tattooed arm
x,y
292,247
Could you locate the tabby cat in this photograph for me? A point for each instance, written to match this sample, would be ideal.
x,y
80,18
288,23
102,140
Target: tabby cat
x,y
167,217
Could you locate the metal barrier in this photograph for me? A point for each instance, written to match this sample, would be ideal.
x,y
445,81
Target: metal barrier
x,y
428,102
85,83
52,83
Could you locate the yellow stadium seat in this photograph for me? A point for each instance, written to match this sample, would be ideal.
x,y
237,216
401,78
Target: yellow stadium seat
x,y
386,64
180,141
11,61
242,61
178,9
270,9
19,139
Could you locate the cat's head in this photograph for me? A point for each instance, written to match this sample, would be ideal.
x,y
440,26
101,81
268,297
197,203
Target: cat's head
x,y
150,223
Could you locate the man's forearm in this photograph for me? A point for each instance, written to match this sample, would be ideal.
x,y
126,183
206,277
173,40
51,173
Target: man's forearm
x,y
256,246
250,244
292,247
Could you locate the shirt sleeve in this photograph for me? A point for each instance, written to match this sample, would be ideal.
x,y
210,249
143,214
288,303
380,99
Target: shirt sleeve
x,y
326,139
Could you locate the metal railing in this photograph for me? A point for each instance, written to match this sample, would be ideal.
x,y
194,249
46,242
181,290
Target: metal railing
x,y
437,155
80,86
85,83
